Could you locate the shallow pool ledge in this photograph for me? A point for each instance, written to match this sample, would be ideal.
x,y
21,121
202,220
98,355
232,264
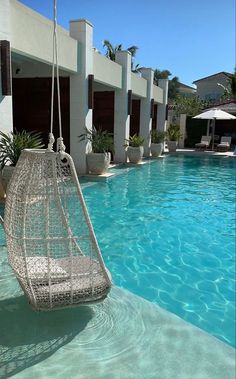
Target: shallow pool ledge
x,y
124,337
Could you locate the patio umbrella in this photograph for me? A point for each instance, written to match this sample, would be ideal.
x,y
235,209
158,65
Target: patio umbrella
x,y
215,114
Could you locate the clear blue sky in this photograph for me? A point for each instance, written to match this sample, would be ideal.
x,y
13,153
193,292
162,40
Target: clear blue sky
x,y
190,38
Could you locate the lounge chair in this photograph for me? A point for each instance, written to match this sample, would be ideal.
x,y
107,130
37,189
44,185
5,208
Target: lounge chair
x,y
224,144
204,144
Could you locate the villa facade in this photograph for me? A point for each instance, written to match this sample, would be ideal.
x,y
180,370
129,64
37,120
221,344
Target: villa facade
x,y
94,89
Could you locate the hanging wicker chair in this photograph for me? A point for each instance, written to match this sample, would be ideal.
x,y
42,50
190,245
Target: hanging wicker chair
x,y
51,243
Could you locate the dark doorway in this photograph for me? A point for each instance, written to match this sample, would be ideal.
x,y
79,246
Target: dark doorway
x,y
32,107
135,118
195,129
103,111
154,120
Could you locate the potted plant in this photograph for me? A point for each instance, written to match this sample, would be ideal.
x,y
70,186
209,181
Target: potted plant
x,y
99,158
173,135
157,142
135,148
11,146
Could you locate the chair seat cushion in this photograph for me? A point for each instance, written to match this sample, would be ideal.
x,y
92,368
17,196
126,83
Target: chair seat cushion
x,y
37,267
202,144
224,144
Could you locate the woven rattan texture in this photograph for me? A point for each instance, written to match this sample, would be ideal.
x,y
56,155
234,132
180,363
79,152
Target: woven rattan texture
x,y
51,243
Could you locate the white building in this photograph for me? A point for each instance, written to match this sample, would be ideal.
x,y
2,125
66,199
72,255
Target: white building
x,y
212,87
85,76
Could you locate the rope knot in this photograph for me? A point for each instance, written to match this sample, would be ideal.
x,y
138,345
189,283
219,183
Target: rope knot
x,y
60,145
51,141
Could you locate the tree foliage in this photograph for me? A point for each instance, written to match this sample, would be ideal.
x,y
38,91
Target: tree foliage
x,y
161,74
190,106
101,140
173,88
111,52
230,88
233,83
12,144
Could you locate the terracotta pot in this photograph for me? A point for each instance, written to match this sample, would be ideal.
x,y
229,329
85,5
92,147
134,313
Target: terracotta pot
x,y
157,149
135,154
98,163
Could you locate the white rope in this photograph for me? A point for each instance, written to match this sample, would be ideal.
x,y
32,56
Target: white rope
x,y
60,145
51,242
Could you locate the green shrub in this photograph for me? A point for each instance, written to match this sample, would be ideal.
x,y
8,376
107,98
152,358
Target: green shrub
x,y
134,141
173,132
101,140
12,144
157,136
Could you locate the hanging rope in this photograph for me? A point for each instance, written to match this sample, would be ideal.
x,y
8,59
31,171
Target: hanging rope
x,y
60,144
51,243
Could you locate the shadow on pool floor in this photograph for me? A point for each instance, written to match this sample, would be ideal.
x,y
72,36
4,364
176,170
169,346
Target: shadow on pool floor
x,y
124,337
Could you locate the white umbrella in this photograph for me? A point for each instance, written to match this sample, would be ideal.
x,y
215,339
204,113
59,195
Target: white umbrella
x,y
215,114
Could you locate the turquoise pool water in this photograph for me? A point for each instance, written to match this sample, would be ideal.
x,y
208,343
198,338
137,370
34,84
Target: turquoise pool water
x,y
167,233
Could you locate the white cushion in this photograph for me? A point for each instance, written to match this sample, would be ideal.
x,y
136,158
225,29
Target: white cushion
x,y
38,267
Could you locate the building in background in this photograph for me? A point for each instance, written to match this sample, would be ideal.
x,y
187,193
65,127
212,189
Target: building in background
x,y
211,88
94,89
186,90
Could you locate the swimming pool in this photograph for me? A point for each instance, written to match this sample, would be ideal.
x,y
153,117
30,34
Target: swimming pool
x,y
167,233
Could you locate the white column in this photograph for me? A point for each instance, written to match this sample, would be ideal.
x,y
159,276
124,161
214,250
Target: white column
x,y
182,125
5,101
121,117
80,115
145,111
161,111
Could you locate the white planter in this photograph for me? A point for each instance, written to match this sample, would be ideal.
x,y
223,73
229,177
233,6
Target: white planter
x,y
135,154
6,175
157,149
172,146
98,163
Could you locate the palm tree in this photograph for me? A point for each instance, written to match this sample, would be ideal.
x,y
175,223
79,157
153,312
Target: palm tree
x,y
173,88
173,83
161,74
111,52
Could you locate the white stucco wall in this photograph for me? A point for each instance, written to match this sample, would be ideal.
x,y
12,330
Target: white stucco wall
x,y
4,20
106,71
138,85
121,117
145,115
38,29
31,69
80,115
157,94
182,125
161,112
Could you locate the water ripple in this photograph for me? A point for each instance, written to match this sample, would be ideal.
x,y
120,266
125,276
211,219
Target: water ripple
x,y
168,234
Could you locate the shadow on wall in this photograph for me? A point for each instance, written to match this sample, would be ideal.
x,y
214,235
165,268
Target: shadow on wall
x,y
28,337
